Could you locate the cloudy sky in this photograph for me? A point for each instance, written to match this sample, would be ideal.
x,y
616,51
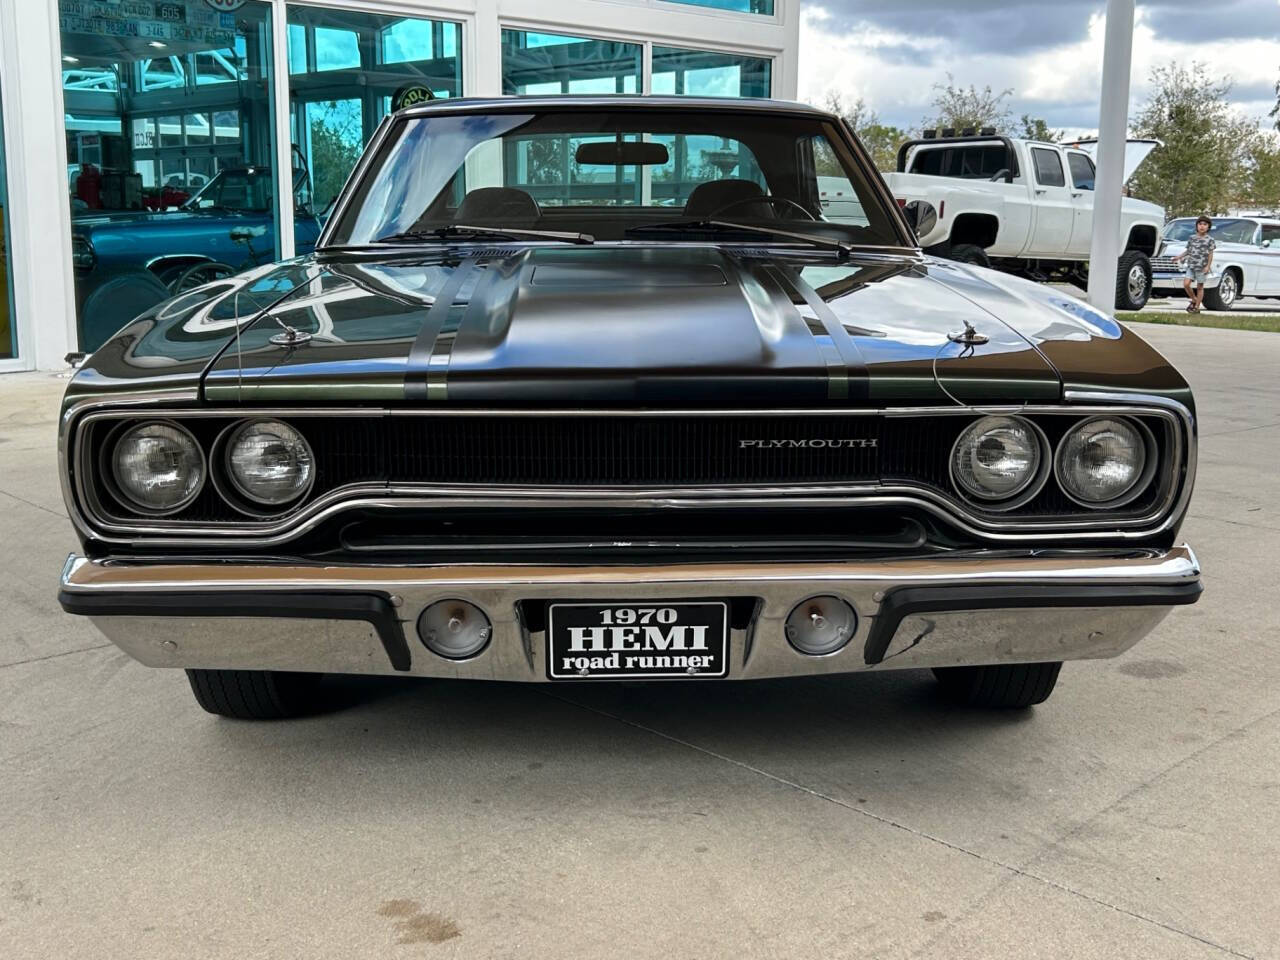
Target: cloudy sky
x,y
891,52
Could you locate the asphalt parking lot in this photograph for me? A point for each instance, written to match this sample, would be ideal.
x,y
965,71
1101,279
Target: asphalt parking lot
x,y
1136,814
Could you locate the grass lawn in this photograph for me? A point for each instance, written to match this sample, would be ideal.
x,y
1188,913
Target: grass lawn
x,y
1266,322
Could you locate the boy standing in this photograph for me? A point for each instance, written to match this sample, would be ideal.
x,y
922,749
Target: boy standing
x,y
1199,261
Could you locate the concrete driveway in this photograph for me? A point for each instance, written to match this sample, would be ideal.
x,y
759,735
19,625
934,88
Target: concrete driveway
x,y
1136,814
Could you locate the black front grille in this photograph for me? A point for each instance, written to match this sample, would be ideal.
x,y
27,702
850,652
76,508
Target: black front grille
x,y
676,451
698,450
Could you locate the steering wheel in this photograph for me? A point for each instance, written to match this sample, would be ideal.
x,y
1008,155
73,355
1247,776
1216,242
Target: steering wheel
x,y
763,198
1000,175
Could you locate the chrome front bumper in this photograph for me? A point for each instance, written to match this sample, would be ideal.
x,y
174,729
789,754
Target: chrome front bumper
x,y
977,608
1172,280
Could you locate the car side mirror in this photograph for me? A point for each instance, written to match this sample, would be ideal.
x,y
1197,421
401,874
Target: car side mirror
x,y
1266,243
921,216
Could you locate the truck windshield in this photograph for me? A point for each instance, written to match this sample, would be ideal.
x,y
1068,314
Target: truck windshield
x,y
615,174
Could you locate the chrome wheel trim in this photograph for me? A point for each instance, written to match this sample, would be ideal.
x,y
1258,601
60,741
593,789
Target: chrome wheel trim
x,y
1227,288
1137,282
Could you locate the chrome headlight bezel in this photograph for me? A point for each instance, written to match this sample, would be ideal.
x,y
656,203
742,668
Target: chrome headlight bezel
x,y
236,492
1020,495
121,491
1144,475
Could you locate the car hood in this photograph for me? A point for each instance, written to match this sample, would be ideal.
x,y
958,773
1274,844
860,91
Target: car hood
x,y
661,326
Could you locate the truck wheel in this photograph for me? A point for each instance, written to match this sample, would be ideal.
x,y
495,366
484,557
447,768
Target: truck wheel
x,y
255,694
1225,294
1133,280
969,253
1007,685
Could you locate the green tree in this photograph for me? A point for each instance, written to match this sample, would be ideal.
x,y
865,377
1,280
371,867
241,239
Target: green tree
x,y
1262,187
1034,128
964,107
1203,165
882,140
335,147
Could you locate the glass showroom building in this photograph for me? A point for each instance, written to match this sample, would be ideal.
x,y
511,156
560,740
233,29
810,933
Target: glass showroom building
x,y
134,134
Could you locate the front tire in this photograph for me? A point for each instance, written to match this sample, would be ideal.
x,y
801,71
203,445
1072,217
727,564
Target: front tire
x,y
255,694
1004,686
1133,280
1225,294
969,253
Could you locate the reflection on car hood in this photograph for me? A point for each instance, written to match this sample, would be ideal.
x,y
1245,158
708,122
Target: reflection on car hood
x,y
662,326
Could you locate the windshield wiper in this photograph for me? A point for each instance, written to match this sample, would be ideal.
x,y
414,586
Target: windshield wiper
x,y
455,230
704,226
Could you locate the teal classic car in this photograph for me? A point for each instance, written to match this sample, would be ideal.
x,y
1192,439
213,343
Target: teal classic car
x,y
127,262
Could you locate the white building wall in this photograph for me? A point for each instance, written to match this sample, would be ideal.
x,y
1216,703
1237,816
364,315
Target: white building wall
x,y
31,84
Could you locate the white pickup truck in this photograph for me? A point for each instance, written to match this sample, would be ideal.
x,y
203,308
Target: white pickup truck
x,y
1022,206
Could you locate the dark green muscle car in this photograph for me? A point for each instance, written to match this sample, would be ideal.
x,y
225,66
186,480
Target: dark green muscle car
x,y
589,389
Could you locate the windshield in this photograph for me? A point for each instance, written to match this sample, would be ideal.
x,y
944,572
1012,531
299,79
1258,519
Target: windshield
x,y
614,175
247,190
1228,231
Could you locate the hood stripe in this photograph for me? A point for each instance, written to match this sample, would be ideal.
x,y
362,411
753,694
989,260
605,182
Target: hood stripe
x,y
417,379
853,366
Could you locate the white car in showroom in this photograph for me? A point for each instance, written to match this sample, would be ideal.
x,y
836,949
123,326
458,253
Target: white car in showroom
x,y
1246,261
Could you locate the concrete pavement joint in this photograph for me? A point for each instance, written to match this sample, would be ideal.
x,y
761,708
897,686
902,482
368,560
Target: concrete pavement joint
x,y
1055,845
1227,433
1012,870
55,656
52,513
1235,523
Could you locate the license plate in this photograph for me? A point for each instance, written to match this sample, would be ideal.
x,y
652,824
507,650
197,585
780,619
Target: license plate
x,y
613,641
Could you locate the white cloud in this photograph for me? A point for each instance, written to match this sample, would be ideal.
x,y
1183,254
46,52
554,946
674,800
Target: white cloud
x,y
895,72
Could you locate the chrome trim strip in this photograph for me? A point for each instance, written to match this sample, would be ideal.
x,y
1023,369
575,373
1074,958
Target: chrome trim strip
x,y
380,495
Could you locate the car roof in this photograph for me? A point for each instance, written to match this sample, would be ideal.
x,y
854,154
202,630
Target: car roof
x,y
611,102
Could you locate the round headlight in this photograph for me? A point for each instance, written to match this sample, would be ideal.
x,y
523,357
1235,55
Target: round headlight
x,y
270,462
996,458
158,467
1101,460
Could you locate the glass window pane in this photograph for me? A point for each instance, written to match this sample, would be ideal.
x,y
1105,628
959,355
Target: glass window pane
x,y
158,101
198,130
297,48
170,129
741,6
337,49
226,126
706,73
409,40
534,63
335,102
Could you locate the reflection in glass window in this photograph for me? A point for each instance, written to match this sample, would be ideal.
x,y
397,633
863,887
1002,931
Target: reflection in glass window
x,y
547,63
345,66
706,73
740,6
614,174
336,49
159,102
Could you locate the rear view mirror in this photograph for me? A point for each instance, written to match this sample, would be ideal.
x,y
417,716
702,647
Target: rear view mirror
x,y
622,153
